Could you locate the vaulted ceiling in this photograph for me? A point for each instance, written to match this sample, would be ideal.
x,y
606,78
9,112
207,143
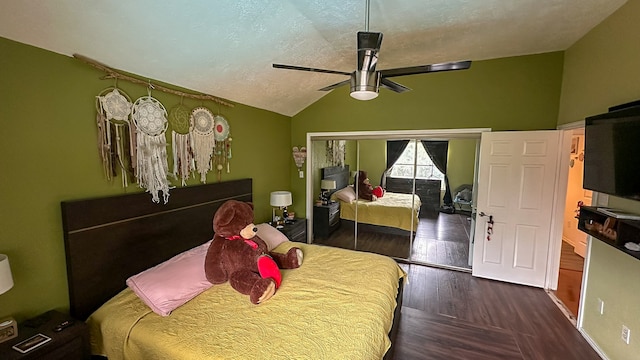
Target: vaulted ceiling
x,y
226,48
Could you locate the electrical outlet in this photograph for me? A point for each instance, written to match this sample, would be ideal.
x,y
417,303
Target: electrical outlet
x,y
626,334
600,306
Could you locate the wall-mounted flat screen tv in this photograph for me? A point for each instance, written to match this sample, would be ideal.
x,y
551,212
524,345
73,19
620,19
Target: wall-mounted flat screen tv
x,y
612,152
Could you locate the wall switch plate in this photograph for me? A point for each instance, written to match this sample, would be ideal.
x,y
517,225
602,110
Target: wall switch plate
x,y
600,306
626,334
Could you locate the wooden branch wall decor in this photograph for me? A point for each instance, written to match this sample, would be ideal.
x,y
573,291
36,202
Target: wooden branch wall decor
x,y
115,74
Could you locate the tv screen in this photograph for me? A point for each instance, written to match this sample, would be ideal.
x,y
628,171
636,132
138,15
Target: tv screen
x,y
612,153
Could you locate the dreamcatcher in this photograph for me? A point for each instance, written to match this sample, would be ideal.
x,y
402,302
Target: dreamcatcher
x,y
222,156
335,152
150,118
116,138
203,139
183,159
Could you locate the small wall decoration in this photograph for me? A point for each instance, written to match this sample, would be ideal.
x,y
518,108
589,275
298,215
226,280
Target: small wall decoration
x,y
335,152
183,160
204,142
222,155
150,119
299,157
575,141
115,135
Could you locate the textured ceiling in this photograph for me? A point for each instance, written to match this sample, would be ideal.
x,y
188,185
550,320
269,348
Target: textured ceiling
x,y
226,48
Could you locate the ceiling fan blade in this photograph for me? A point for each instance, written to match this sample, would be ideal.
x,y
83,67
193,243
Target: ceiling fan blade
x,y
331,87
292,67
393,86
368,47
421,69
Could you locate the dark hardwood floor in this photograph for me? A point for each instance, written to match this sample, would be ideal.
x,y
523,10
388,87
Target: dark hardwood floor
x,y
441,239
452,315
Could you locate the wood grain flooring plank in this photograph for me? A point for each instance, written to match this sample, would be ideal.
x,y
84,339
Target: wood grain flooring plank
x,y
472,318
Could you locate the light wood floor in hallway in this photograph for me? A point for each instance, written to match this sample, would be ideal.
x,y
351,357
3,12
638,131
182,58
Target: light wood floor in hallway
x,y
452,315
570,279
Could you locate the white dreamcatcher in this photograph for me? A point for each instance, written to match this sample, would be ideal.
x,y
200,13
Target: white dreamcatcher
x,y
150,118
116,137
203,139
183,157
222,155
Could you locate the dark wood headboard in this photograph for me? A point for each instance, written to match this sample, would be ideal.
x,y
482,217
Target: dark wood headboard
x,y
340,174
107,240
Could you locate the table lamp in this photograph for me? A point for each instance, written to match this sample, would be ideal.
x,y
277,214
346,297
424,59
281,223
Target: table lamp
x,y
325,186
280,199
8,327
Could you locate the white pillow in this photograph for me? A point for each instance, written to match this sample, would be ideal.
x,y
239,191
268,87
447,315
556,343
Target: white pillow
x,y
172,283
270,235
346,194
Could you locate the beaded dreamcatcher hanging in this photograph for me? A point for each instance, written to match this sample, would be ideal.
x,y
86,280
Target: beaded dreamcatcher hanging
x,y
116,137
203,139
150,118
183,157
222,155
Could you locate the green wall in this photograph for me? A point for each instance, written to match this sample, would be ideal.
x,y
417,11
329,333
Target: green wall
x,y
461,162
49,154
601,70
373,159
517,93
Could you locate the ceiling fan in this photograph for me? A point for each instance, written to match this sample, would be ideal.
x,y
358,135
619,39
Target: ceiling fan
x,y
365,81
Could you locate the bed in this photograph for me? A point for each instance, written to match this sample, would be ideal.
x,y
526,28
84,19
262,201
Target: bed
x,y
394,213
316,313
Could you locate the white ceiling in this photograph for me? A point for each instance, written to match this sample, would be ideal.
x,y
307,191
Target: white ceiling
x,y
225,48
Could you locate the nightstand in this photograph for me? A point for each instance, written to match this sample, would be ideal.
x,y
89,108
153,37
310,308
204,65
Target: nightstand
x,y
296,230
326,219
70,343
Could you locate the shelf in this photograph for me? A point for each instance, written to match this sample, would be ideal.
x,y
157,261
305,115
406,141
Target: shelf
x,y
626,230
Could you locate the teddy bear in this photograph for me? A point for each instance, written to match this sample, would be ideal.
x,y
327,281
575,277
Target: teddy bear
x,y
366,191
238,255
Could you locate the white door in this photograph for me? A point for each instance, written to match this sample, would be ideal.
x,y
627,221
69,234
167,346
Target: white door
x,y
516,187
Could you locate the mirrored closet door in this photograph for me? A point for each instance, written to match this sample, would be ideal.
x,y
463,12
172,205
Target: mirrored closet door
x,y
415,218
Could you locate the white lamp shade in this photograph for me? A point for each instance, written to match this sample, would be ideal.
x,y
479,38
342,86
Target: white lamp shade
x,y
280,198
327,184
6,280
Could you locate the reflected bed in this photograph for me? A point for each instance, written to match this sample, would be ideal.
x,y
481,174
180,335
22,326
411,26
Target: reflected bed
x,y
394,213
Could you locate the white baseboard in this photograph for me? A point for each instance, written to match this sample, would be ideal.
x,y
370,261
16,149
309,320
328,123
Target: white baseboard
x,y
593,344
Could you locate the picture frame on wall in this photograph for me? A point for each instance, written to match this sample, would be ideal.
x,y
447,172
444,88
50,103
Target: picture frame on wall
x,y
574,145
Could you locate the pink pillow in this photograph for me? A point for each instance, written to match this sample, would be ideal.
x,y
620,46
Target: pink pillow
x,y
167,286
271,236
346,194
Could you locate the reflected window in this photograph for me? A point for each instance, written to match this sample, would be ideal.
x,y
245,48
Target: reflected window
x,y
425,169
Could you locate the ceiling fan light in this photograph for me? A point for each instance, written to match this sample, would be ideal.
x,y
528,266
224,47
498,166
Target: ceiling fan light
x,y
365,85
364,95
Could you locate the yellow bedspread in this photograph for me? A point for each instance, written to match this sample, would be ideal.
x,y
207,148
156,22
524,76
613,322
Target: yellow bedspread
x,y
338,305
393,210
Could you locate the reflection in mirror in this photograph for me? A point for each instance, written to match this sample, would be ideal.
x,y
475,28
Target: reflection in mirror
x,y
444,231
386,218
332,161
435,225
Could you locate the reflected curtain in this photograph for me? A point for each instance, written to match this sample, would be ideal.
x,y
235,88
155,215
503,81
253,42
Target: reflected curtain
x,y
437,151
395,148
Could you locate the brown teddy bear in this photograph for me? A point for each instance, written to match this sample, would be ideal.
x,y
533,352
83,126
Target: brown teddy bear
x,y
366,191
236,254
